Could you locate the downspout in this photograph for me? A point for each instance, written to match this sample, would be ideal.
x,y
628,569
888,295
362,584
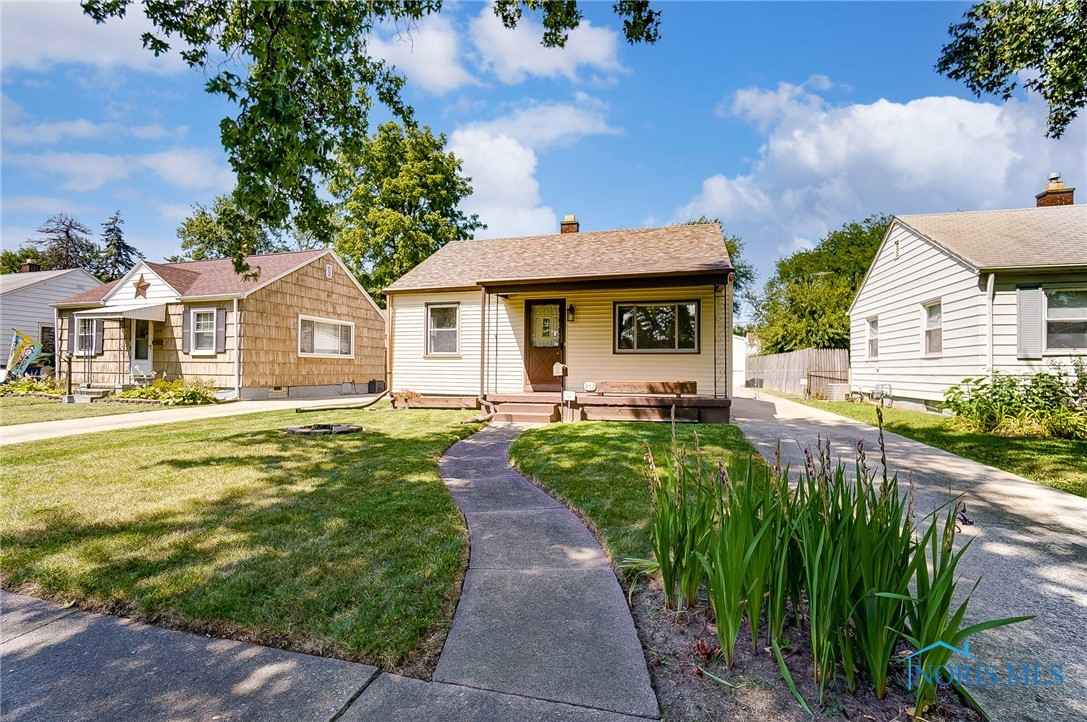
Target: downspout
x,y
482,342
390,300
237,352
990,294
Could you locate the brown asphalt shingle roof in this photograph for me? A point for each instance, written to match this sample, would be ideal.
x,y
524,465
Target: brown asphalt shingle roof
x,y
1019,238
210,278
672,250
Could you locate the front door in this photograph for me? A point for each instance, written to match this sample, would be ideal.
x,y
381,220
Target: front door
x,y
141,347
544,343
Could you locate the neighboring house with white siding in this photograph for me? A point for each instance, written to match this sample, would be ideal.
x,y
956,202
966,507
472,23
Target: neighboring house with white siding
x,y
303,327
27,298
641,319
961,295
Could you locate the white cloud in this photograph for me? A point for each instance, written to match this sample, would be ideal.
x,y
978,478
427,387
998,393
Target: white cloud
x,y
189,169
37,204
185,168
16,236
56,131
39,35
428,54
513,55
154,131
505,192
823,165
547,124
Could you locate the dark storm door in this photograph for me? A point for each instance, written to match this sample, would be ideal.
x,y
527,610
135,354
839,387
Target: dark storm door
x,y
544,343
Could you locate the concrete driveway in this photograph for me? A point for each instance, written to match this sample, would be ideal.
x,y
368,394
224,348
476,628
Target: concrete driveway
x,y
1029,548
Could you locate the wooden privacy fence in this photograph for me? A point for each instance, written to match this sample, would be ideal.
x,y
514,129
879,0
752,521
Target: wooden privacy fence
x,y
808,372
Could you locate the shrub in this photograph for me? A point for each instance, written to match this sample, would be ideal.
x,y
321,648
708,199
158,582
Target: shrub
x,y
1044,404
30,385
172,393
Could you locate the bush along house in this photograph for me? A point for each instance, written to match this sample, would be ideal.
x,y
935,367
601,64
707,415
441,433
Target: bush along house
x,y
623,324
303,327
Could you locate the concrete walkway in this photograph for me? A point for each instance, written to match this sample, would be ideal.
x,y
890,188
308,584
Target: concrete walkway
x,y
1029,546
542,633
541,614
19,433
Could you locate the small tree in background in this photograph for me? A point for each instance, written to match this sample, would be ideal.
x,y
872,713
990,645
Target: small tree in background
x,y
12,261
400,196
806,303
65,243
117,255
219,231
743,286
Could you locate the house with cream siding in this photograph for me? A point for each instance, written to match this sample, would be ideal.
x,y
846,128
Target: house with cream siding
x,y
609,324
962,295
27,298
302,327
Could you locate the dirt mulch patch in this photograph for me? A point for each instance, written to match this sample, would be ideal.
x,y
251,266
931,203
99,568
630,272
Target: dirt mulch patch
x,y
759,692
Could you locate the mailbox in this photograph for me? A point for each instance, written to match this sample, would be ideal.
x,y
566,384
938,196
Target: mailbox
x,y
559,369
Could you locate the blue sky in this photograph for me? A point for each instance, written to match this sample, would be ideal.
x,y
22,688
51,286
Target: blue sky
x,y
783,119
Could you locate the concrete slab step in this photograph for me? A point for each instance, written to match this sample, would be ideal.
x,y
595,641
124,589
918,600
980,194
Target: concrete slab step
x,y
525,418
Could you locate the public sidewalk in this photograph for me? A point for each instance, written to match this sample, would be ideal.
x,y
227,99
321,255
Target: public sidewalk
x,y
70,427
1029,547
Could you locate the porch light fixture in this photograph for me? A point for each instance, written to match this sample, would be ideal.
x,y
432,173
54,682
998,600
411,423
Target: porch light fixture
x,y
570,313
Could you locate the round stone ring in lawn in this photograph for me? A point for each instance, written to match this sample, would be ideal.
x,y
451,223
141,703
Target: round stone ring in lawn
x,y
323,429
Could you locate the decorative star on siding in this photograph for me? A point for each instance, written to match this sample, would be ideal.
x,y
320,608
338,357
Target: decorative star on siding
x,y
141,287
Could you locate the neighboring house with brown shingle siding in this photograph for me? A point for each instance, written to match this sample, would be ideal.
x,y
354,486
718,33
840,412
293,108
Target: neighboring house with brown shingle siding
x,y
304,327
952,296
491,318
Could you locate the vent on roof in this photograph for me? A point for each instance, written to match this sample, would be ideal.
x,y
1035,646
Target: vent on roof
x,y
328,270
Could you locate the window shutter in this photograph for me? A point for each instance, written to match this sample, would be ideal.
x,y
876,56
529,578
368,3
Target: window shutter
x,y
186,330
220,330
1029,325
73,323
99,336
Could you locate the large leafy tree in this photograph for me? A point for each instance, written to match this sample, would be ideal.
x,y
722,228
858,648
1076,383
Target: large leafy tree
x,y
65,242
806,303
743,284
1040,43
222,230
12,261
304,82
400,195
117,255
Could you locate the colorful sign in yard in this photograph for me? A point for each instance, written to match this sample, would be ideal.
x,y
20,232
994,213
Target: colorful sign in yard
x,y
23,350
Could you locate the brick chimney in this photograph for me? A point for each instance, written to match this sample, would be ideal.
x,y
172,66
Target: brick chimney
x,y
569,225
30,266
1055,194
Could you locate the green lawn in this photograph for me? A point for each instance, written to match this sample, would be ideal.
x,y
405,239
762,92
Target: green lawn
x,y
598,468
346,546
28,409
1060,463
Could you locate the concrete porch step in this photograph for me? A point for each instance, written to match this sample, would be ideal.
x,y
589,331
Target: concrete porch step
x,y
534,413
525,418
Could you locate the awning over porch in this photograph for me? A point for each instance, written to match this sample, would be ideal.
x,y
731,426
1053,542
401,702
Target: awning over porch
x,y
143,312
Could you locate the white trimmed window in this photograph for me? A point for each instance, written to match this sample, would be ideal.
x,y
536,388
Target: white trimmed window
x,y
203,331
1065,319
325,337
873,337
657,327
84,338
443,329
933,319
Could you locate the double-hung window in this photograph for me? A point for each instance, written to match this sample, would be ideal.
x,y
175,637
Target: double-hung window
x,y
873,337
656,327
203,331
325,337
84,339
443,329
933,319
1065,319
